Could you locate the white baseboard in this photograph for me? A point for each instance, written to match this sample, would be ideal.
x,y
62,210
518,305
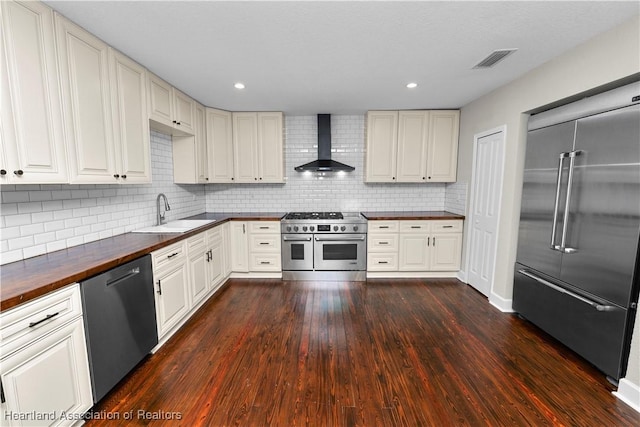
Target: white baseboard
x,y
500,303
629,393
462,276
411,274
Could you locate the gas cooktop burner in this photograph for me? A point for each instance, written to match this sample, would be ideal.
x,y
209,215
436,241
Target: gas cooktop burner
x,y
314,215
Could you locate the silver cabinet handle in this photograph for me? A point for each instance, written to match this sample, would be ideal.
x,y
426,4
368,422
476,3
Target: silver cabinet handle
x,y
552,244
296,239
599,307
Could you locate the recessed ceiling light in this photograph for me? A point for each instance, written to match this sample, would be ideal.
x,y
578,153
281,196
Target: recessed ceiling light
x,y
412,85
239,85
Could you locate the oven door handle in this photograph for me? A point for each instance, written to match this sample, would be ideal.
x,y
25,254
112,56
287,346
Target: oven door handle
x,y
296,239
340,239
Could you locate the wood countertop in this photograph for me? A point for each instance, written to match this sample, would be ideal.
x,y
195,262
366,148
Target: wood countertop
x,y
25,280
410,215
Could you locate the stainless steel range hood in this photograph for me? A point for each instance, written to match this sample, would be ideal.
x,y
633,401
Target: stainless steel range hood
x,y
324,162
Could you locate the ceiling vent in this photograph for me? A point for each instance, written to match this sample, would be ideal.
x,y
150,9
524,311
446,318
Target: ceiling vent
x,y
494,57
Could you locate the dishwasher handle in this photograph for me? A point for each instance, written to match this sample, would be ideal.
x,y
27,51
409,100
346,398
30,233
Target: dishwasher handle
x,y
126,276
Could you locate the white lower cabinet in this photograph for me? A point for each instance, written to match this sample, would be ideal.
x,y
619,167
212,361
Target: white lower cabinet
x,y
171,282
414,247
215,258
198,267
44,365
239,246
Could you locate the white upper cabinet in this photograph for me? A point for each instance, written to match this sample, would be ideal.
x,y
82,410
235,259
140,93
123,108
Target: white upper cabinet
x,y
32,139
190,153
245,146
412,146
220,146
105,104
84,66
170,110
270,147
442,154
382,146
130,118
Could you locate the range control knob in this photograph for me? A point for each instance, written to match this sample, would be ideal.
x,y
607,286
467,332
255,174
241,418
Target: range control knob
x,y
288,228
335,228
295,228
304,228
312,228
343,228
355,228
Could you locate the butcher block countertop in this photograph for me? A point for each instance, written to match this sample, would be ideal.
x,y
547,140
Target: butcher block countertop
x,y
411,215
25,280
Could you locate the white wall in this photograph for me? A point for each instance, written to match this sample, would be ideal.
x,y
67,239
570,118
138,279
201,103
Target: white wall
x,y
604,59
37,219
333,191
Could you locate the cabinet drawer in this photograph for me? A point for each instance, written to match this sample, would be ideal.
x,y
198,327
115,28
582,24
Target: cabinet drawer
x,y
36,318
269,227
265,243
196,244
214,234
384,226
415,226
382,243
382,262
448,226
166,257
264,262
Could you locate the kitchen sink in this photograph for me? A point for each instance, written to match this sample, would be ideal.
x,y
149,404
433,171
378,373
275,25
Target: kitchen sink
x,y
177,226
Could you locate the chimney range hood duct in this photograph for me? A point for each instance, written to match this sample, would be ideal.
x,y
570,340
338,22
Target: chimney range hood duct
x,y
324,162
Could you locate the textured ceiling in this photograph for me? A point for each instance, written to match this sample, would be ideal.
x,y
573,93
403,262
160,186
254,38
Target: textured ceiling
x,y
310,57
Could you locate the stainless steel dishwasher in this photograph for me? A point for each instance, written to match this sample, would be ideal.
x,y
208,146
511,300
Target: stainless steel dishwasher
x,y
120,322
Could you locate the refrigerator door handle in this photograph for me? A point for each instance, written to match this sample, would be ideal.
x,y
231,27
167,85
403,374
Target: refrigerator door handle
x,y
565,223
553,245
597,306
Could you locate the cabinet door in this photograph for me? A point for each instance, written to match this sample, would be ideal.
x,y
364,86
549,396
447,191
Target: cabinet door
x,y
226,252
160,103
239,246
446,250
202,167
172,298
130,119
50,375
216,267
442,148
245,147
84,67
198,266
31,106
382,146
270,144
219,146
184,108
412,146
413,252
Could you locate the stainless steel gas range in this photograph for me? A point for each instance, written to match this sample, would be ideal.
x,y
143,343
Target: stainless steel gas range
x,y
324,246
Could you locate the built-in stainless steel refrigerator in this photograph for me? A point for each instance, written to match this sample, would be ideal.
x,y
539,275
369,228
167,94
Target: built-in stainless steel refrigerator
x,y
576,275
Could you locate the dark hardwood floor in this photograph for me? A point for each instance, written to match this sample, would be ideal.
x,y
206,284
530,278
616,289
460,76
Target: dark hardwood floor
x,y
381,353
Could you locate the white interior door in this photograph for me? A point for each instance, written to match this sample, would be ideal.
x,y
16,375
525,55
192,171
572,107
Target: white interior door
x,y
486,195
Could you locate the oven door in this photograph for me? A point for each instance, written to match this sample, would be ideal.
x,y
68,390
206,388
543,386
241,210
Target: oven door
x,y
297,252
342,252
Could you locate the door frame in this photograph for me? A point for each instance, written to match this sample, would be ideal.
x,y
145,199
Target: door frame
x,y
468,247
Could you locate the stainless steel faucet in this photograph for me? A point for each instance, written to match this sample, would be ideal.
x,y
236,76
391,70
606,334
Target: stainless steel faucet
x,y
166,208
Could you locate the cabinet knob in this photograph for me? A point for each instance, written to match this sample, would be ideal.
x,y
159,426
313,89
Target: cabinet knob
x,y
260,178
116,176
19,172
3,172
232,178
429,177
178,123
206,179
175,122
423,177
255,179
124,176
